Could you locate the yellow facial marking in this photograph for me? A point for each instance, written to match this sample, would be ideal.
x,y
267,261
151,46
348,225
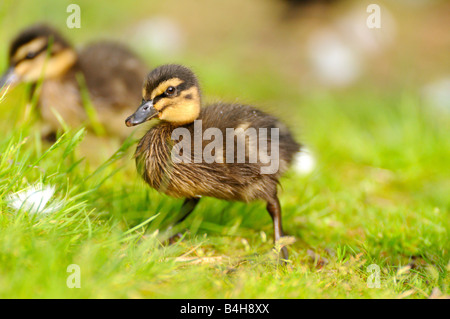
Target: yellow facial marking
x,y
180,110
178,101
32,70
32,46
192,91
164,85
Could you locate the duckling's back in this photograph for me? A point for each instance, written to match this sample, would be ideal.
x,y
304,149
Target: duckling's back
x,y
235,177
113,74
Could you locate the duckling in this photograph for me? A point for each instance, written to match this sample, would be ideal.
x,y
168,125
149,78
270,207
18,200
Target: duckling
x,y
306,8
112,75
169,156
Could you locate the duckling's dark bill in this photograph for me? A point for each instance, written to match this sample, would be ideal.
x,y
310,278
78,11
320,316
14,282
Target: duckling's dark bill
x,y
8,78
144,113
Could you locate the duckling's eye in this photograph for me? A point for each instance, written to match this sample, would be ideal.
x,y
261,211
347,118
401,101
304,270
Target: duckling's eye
x,y
30,55
170,91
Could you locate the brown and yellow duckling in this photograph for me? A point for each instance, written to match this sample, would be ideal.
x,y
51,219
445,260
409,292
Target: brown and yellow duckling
x,y
187,167
112,75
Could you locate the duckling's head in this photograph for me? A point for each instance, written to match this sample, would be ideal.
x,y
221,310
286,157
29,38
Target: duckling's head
x,y
172,94
38,51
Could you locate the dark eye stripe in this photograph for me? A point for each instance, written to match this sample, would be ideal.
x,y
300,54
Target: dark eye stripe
x,y
179,88
157,98
35,54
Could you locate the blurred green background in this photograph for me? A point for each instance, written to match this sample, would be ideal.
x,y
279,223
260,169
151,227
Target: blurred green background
x,y
371,105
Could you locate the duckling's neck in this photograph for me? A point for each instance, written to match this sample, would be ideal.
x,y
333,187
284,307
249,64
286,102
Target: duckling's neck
x,y
174,125
170,126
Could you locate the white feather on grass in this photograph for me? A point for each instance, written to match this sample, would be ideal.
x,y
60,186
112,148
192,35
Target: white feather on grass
x,y
35,199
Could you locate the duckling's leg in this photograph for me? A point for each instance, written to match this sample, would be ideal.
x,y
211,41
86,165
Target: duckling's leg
x,y
186,209
274,209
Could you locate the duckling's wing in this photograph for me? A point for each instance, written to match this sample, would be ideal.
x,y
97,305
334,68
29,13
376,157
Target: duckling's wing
x,y
224,116
236,116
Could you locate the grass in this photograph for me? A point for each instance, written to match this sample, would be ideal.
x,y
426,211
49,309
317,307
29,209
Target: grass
x,y
378,195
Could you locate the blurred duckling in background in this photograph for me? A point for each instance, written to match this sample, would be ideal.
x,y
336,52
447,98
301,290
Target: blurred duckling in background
x,y
171,93
306,8
110,72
